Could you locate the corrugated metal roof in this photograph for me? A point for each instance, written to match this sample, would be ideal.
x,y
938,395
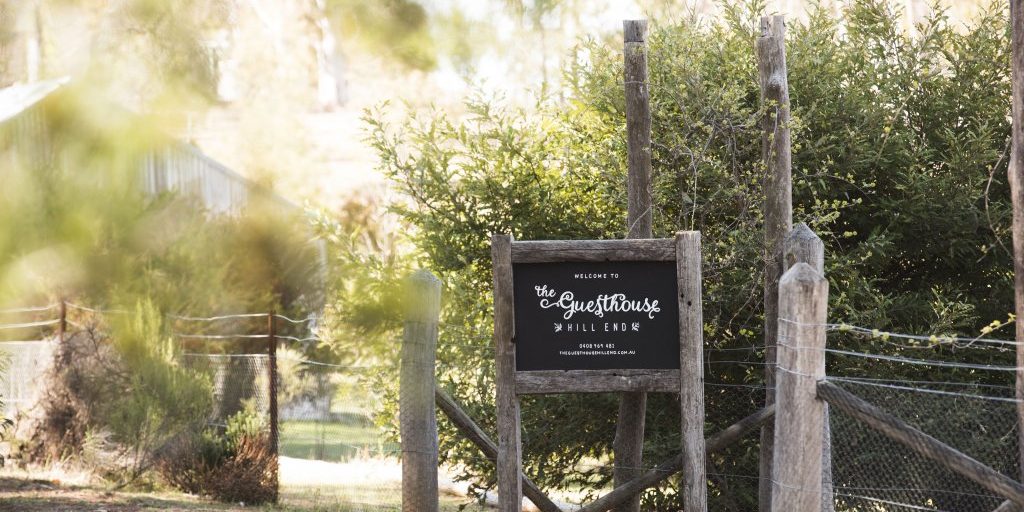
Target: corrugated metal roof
x,y
20,97
178,166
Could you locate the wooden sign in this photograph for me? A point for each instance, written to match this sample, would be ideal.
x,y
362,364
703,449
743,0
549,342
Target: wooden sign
x,y
592,316
596,315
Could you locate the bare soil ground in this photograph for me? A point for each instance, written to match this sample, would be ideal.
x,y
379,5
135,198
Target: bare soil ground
x,y
21,494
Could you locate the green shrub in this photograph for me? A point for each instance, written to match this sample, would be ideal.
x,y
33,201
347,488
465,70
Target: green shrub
x,y
158,398
236,465
127,392
298,382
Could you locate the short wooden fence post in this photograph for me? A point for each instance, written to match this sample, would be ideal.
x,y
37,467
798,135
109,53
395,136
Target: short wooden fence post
x,y
418,421
799,419
64,355
802,245
62,324
272,394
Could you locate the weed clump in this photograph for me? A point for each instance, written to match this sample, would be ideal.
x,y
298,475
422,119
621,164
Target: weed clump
x,y
234,465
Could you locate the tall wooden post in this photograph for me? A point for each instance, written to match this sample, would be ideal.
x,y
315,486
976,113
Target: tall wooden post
x,y
1016,179
799,418
629,431
510,445
639,217
801,245
778,208
418,421
272,391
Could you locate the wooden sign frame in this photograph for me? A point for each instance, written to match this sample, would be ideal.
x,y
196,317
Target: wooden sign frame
x,y
687,381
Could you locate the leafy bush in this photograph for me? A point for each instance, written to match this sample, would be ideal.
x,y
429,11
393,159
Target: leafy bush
x,y
297,382
899,165
126,391
236,465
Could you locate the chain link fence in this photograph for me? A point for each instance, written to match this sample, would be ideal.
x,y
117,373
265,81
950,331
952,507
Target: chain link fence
x,y
733,389
21,381
872,472
239,381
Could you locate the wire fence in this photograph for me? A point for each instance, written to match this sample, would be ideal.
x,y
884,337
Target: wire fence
x,y
20,382
958,390
870,470
27,349
333,453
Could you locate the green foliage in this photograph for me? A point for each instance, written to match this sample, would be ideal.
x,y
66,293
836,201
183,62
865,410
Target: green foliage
x,y
246,423
396,28
367,266
899,165
79,226
145,398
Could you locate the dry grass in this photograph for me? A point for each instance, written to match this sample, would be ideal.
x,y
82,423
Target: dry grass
x,y
20,492
306,486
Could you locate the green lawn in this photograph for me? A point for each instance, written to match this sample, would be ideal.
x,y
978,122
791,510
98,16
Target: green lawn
x,y
335,441
359,499
362,449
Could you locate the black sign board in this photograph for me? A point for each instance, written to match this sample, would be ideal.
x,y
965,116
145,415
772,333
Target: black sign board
x,y
618,315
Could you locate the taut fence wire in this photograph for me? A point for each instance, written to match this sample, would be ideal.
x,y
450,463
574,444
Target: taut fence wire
x,y
957,390
332,451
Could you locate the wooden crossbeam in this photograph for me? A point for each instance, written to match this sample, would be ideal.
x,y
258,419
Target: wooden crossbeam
x,y
476,435
596,381
619,495
663,471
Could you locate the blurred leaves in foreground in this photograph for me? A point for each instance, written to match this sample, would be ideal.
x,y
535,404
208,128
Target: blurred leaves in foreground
x,y
79,225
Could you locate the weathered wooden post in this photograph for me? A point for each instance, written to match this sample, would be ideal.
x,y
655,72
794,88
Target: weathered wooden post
x,y
629,431
272,391
62,325
799,418
63,353
1016,179
417,419
778,207
510,444
639,217
691,370
803,246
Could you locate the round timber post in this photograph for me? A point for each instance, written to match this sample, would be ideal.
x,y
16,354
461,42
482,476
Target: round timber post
x,y
628,445
417,419
799,413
